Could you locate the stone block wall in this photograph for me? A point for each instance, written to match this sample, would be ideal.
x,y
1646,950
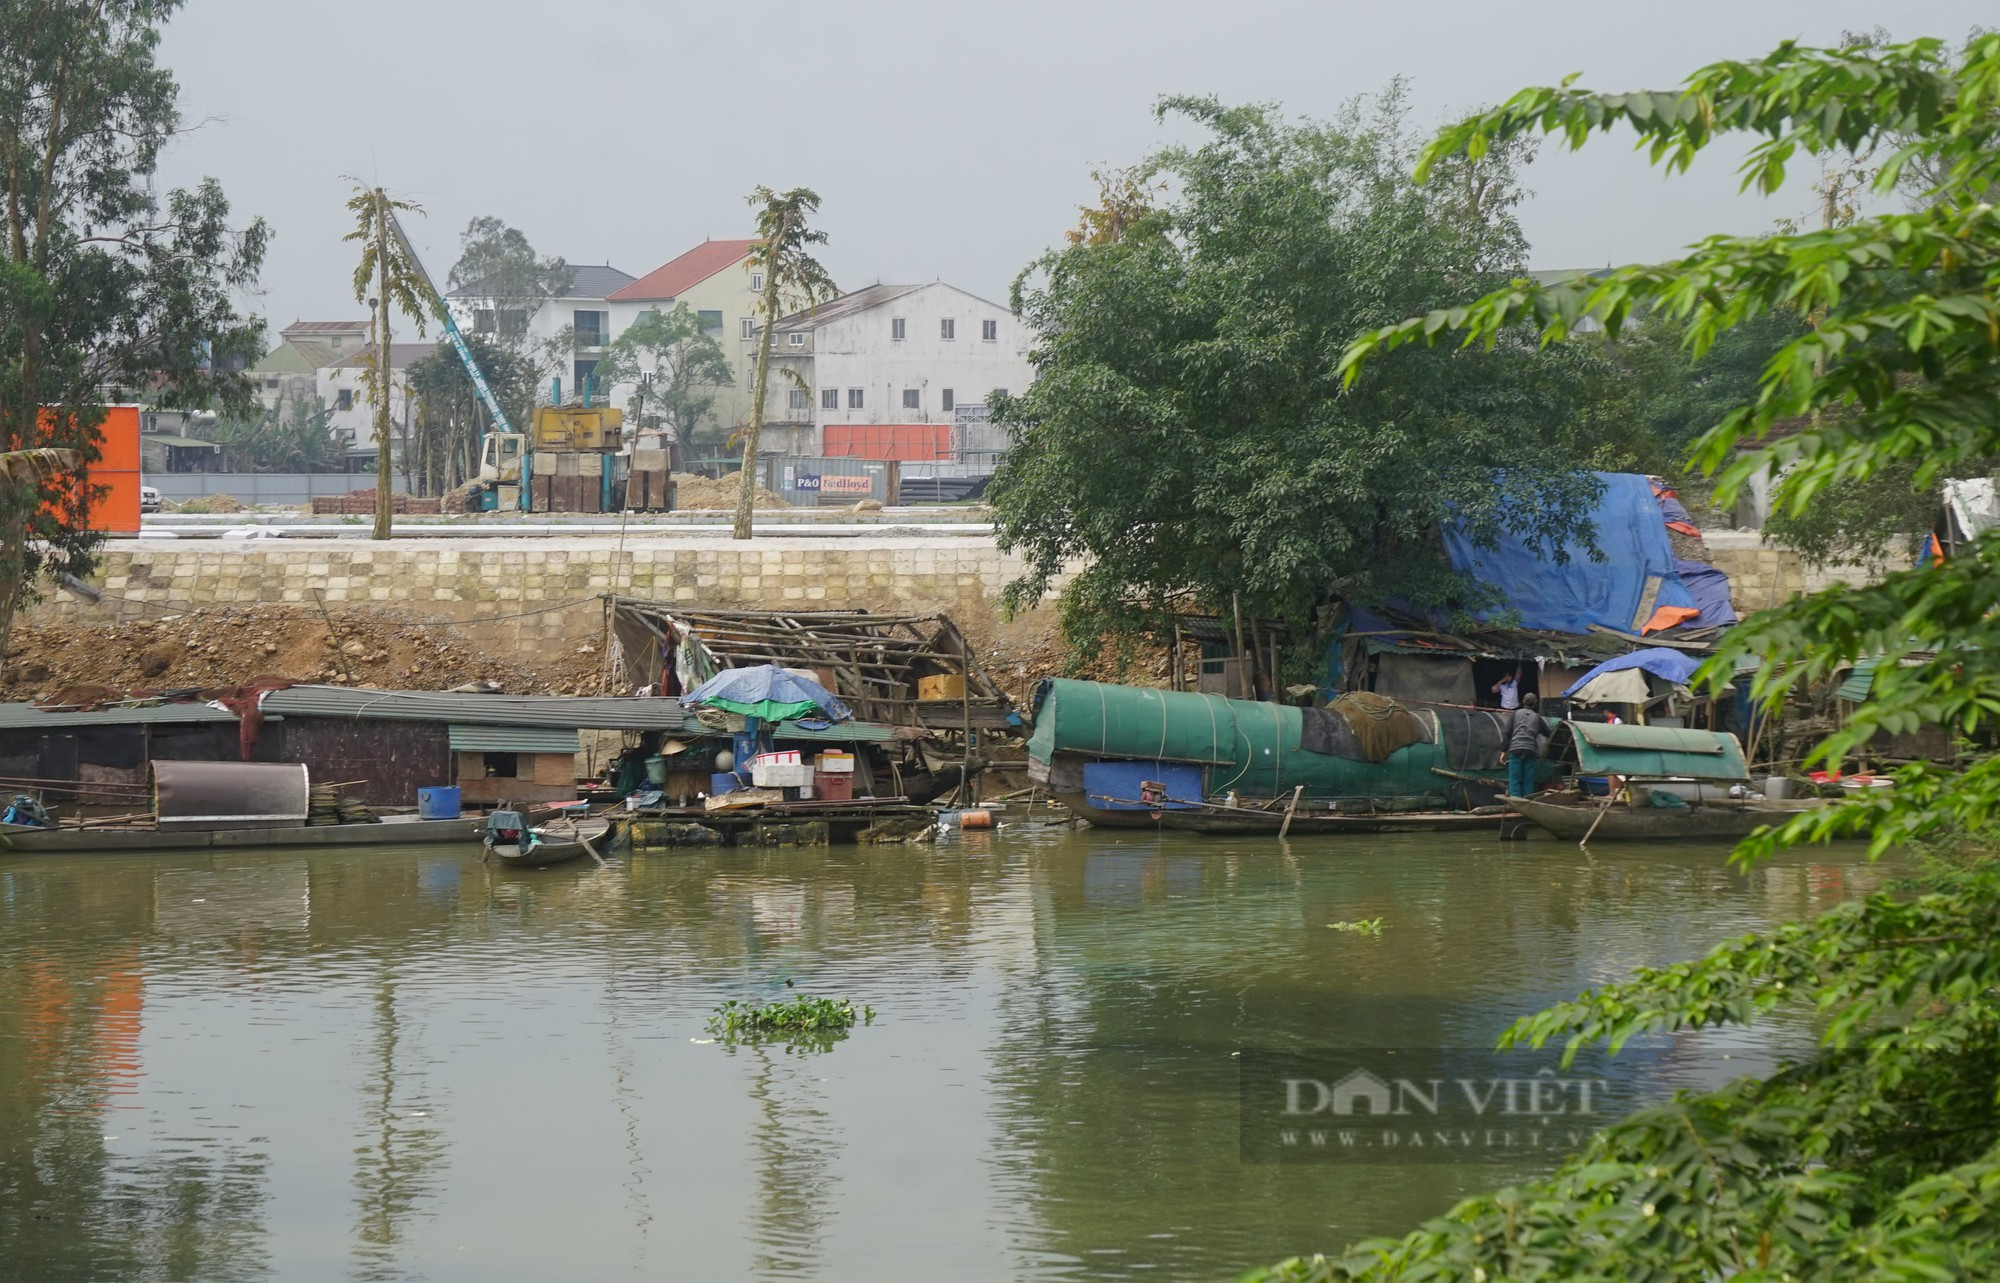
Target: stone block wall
x,y
525,594
1764,575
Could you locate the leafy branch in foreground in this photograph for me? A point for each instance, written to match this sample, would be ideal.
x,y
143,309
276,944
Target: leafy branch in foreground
x,y
1878,1156
814,1022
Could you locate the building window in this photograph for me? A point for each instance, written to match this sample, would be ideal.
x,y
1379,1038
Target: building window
x,y
913,399
897,329
746,328
591,328
854,398
829,398
797,339
271,383
583,370
710,322
502,766
947,402
756,282
947,328
482,323
344,399
989,330
797,399
999,391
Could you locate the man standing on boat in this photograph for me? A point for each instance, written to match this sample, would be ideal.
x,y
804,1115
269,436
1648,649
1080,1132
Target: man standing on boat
x,y
1524,746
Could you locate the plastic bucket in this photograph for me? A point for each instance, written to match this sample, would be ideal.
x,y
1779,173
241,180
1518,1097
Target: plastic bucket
x,y
656,770
438,803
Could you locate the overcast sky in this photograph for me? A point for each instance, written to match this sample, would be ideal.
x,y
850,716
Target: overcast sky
x,y
946,140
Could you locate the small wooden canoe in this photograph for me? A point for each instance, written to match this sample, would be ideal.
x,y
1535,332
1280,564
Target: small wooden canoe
x,y
1709,821
553,843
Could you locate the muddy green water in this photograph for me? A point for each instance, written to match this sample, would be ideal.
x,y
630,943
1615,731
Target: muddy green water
x,y
399,1064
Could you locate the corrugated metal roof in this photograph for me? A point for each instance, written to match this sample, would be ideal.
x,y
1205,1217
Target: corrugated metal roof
x,y
27,716
839,733
610,713
1860,680
513,739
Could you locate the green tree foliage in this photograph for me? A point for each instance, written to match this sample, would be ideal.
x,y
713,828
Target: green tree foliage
x,y
387,278
1878,1157
450,420
1660,398
1187,437
688,368
102,283
498,272
290,437
793,278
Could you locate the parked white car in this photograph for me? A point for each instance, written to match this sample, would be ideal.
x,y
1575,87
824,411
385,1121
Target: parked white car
x,y
149,499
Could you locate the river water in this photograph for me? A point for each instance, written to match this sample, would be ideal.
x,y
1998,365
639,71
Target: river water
x,y
404,1065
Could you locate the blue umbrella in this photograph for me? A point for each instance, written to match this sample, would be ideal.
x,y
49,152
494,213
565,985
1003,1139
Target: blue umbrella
x,y
769,692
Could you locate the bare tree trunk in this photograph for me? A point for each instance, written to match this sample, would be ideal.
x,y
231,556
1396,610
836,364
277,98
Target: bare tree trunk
x,y
13,564
383,507
746,497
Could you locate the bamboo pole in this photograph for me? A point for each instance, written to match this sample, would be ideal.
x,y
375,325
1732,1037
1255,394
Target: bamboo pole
x,y
1291,810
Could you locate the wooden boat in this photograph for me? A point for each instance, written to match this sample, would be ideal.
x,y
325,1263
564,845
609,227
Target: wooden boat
x,y
556,843
1663,757
145,839
1622,822
1096,747
1269,817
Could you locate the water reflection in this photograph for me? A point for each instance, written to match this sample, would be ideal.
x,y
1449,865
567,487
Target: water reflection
x,y
415,1065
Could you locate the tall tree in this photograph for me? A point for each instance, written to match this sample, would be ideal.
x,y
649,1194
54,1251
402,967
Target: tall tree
x,y
103,284
793,279
451,419
396,282
687,364
1187,442
499,272
1877,1156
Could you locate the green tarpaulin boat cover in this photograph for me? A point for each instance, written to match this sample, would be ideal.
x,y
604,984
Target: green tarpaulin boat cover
x,y
1250,748
1650,752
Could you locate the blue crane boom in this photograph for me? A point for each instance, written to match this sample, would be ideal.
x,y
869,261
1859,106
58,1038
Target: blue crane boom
x,y
451,331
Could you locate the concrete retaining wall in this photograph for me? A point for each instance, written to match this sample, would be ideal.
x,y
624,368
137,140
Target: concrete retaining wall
x,y
524,594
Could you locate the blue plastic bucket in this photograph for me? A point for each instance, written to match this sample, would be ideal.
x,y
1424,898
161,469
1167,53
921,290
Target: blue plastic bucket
x,y
438,803
723,783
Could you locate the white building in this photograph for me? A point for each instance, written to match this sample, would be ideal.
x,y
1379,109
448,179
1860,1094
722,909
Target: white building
x,y
343,386
887,371
582,308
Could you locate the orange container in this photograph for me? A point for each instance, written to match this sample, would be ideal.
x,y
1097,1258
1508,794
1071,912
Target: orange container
x,y
114,478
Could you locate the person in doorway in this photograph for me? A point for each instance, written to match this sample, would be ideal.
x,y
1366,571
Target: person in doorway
x,y
1524,746
1509,690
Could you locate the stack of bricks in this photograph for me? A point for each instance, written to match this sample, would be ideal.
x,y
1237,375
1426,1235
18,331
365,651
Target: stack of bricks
x,y
361,503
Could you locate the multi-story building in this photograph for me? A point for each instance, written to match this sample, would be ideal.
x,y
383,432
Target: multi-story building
x,y
290,371
715,282
583,308
343,386
895,371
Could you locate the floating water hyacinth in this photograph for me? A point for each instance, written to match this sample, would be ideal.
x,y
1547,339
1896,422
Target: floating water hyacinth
x,y
805,1023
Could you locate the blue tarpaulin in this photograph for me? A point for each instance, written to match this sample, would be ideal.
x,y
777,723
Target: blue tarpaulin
x,y
1711,593
1669,665
1571,596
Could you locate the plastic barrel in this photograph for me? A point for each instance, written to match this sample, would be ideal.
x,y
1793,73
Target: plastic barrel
x,y
438,804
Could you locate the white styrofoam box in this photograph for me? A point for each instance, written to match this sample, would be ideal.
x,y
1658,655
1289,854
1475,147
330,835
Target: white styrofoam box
x,y
779,775
790,757
836,763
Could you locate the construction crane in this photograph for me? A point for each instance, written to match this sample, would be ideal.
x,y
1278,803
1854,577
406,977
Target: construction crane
x,y
502,449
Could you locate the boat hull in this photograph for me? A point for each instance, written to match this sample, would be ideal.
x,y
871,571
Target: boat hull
x,y
559,845
25,841
1235,819
1709,822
